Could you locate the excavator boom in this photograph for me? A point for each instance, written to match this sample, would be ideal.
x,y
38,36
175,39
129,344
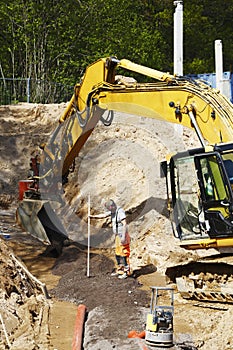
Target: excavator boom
x,y
160,96
167,98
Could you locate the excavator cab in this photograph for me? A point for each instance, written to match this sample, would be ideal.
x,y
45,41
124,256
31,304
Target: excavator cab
x,y
202,198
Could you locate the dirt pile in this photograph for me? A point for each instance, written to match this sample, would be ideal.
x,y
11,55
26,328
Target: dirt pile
x,y
108,299
23,128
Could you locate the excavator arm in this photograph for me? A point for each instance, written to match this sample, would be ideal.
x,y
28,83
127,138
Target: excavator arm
x,y
160,96
167,98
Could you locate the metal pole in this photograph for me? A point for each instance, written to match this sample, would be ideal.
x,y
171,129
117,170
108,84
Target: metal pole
x,y
178,48
178,38
219,65
28,90
88,237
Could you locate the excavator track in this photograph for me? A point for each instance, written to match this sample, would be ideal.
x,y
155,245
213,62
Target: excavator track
x,y
199,280
188,291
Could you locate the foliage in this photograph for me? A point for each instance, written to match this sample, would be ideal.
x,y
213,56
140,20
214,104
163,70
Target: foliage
x,y
56,39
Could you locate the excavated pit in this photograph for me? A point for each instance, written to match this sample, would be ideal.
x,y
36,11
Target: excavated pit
x,y
120,161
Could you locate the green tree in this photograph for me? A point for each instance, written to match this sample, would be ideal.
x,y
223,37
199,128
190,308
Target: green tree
x,y
204,22
57,39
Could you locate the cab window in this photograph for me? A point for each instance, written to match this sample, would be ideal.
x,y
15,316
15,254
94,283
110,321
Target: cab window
x,y
214,186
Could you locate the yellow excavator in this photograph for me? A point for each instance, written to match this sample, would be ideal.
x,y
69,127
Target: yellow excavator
x,y
200,180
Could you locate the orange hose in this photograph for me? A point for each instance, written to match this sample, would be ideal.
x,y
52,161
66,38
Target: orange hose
x,y
79,328
141,335
135,334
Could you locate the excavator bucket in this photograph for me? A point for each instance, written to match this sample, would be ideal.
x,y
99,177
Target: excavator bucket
x,y
40,219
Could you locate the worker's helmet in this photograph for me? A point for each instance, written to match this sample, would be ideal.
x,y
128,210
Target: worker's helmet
x,y
110,205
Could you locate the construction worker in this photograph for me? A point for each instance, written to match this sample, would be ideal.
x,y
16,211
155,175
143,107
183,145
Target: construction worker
x,y
122,238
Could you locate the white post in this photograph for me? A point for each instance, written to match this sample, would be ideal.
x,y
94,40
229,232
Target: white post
x,y
88,236
178,48
178,38
219,65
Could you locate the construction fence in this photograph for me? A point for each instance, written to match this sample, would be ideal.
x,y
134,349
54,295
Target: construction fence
x,y
14,90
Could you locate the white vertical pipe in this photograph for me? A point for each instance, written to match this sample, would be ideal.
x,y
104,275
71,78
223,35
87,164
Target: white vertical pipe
x,y
219,65
88,236
178,48
178,38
